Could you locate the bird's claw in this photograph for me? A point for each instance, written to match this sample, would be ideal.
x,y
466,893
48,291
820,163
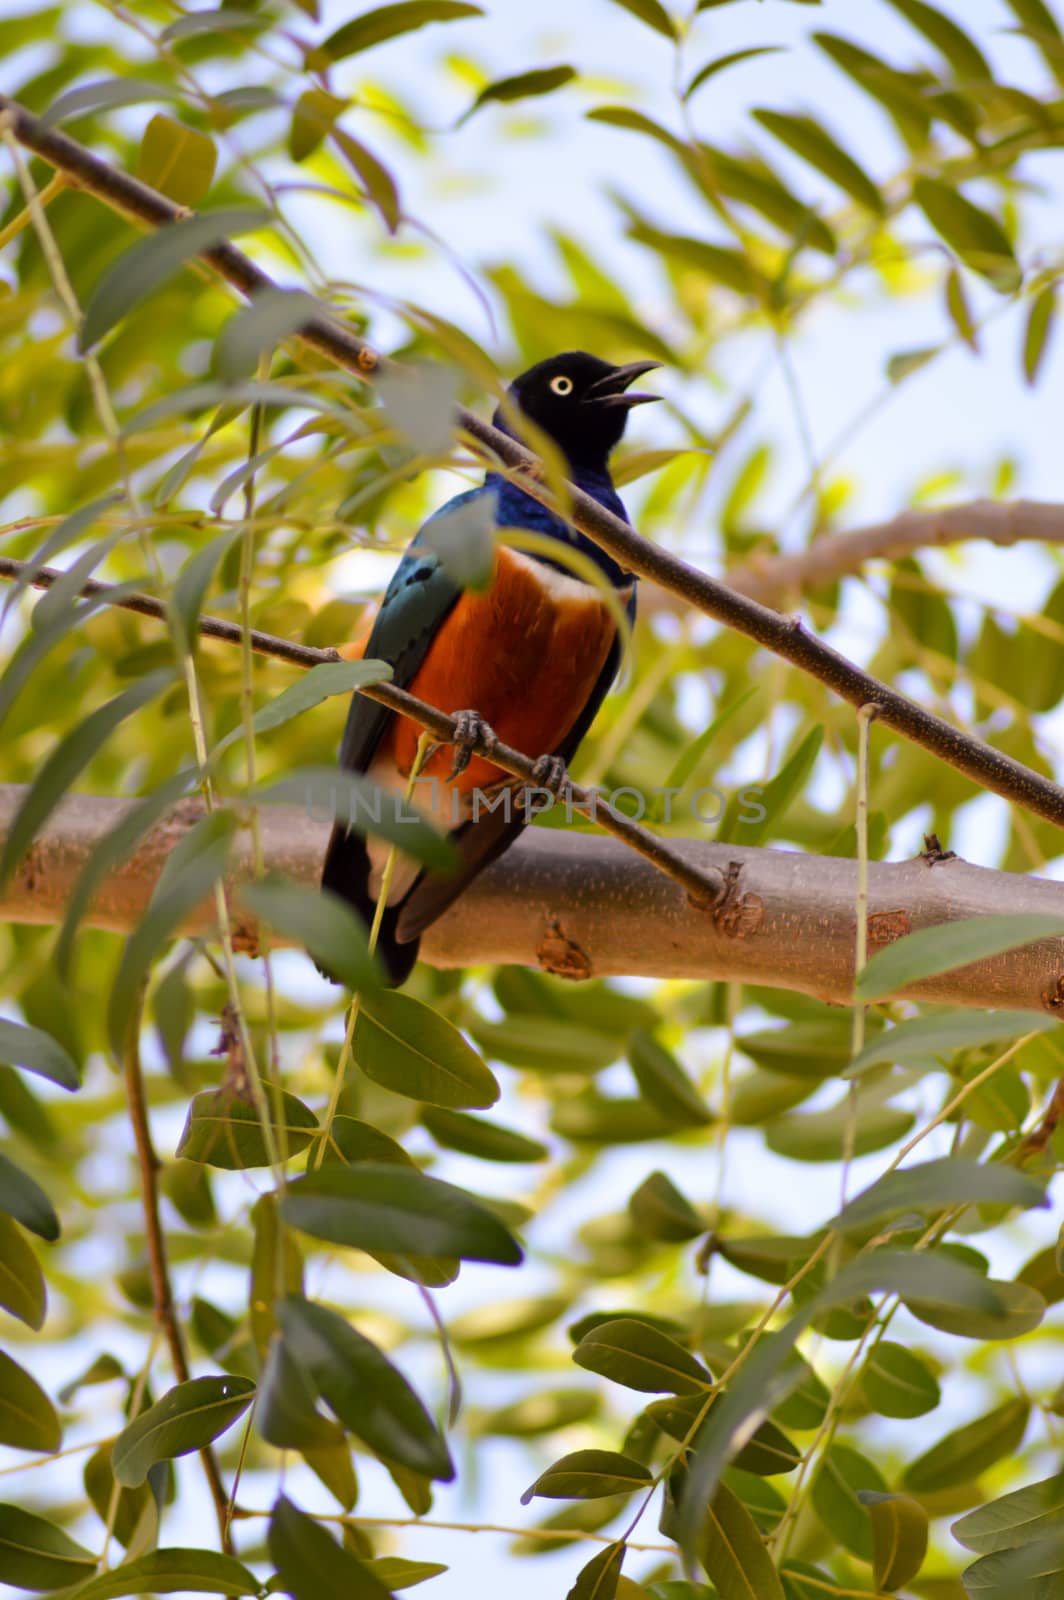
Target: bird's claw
x,y
551,773
470,729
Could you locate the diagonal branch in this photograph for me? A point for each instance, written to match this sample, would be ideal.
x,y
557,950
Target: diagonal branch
x,y
991,769
776,579
703,888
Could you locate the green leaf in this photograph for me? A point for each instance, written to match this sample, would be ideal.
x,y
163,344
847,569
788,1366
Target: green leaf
x,y
521,86
685,767
355,800
397,1573
386,22
334,936
173,1571
36,1051
463,536
978,238
373,175
763,1381
152,261
966,59
1017,1310
312,689
775,798
640,1357
68,760
722,63
254,331
225,1132
35,1554
311,1565
545,1044
929,951
899,1537
106,94
842,1474
653,13
192,583
941,1032
222,20
1021,1517
376,1207
931,1186
813,144
24,1199
358,1382
731,1549
635,122
1039,326
664,1083
22,1289
412,1050
660,1211
276,1270
598,1579
474,1136
766,1454
191,871
721,263
966,1452
897,1383
187,1418
108,854
1033,1571
313,116
960,311
1035,17
286,1414
28,1418
589,1475
826,1135
176,160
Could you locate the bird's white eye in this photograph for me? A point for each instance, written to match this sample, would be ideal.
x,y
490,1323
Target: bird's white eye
x,y
561,384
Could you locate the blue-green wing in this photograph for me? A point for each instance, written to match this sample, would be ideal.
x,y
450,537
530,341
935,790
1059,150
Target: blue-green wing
x,y
415,605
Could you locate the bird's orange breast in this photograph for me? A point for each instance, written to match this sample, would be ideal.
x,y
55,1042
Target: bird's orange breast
x,y
525,655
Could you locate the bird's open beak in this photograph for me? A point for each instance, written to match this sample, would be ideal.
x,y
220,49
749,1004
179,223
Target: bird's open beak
x,y
613,390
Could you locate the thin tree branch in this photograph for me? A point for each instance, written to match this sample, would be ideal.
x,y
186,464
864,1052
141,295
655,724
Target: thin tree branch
x,y
990,768
704,889
158,1262
584,906
777,579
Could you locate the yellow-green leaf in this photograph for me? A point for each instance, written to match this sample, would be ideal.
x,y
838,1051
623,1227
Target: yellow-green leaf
x,y
176,160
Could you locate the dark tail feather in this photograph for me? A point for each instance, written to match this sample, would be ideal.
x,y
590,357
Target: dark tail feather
x,y
346,873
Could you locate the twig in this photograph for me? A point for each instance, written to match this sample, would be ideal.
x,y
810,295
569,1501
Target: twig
x,y
158,1264
704,889
991,769
774,579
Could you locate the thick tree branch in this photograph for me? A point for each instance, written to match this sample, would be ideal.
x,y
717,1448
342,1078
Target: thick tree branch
x,y
777,580
584,906
989,768
704,888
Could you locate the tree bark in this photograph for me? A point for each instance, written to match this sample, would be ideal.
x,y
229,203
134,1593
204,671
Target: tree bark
x,y
585,906
779,579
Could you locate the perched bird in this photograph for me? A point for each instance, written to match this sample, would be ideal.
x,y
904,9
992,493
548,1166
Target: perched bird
x,y
533,657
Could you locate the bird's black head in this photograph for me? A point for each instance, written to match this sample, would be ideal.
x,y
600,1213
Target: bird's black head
x,y
581,402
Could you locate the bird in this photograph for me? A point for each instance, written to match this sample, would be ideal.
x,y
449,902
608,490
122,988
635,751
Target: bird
x,y
531,657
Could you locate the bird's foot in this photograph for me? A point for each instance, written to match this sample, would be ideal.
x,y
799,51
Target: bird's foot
x,y
551,773
470,729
